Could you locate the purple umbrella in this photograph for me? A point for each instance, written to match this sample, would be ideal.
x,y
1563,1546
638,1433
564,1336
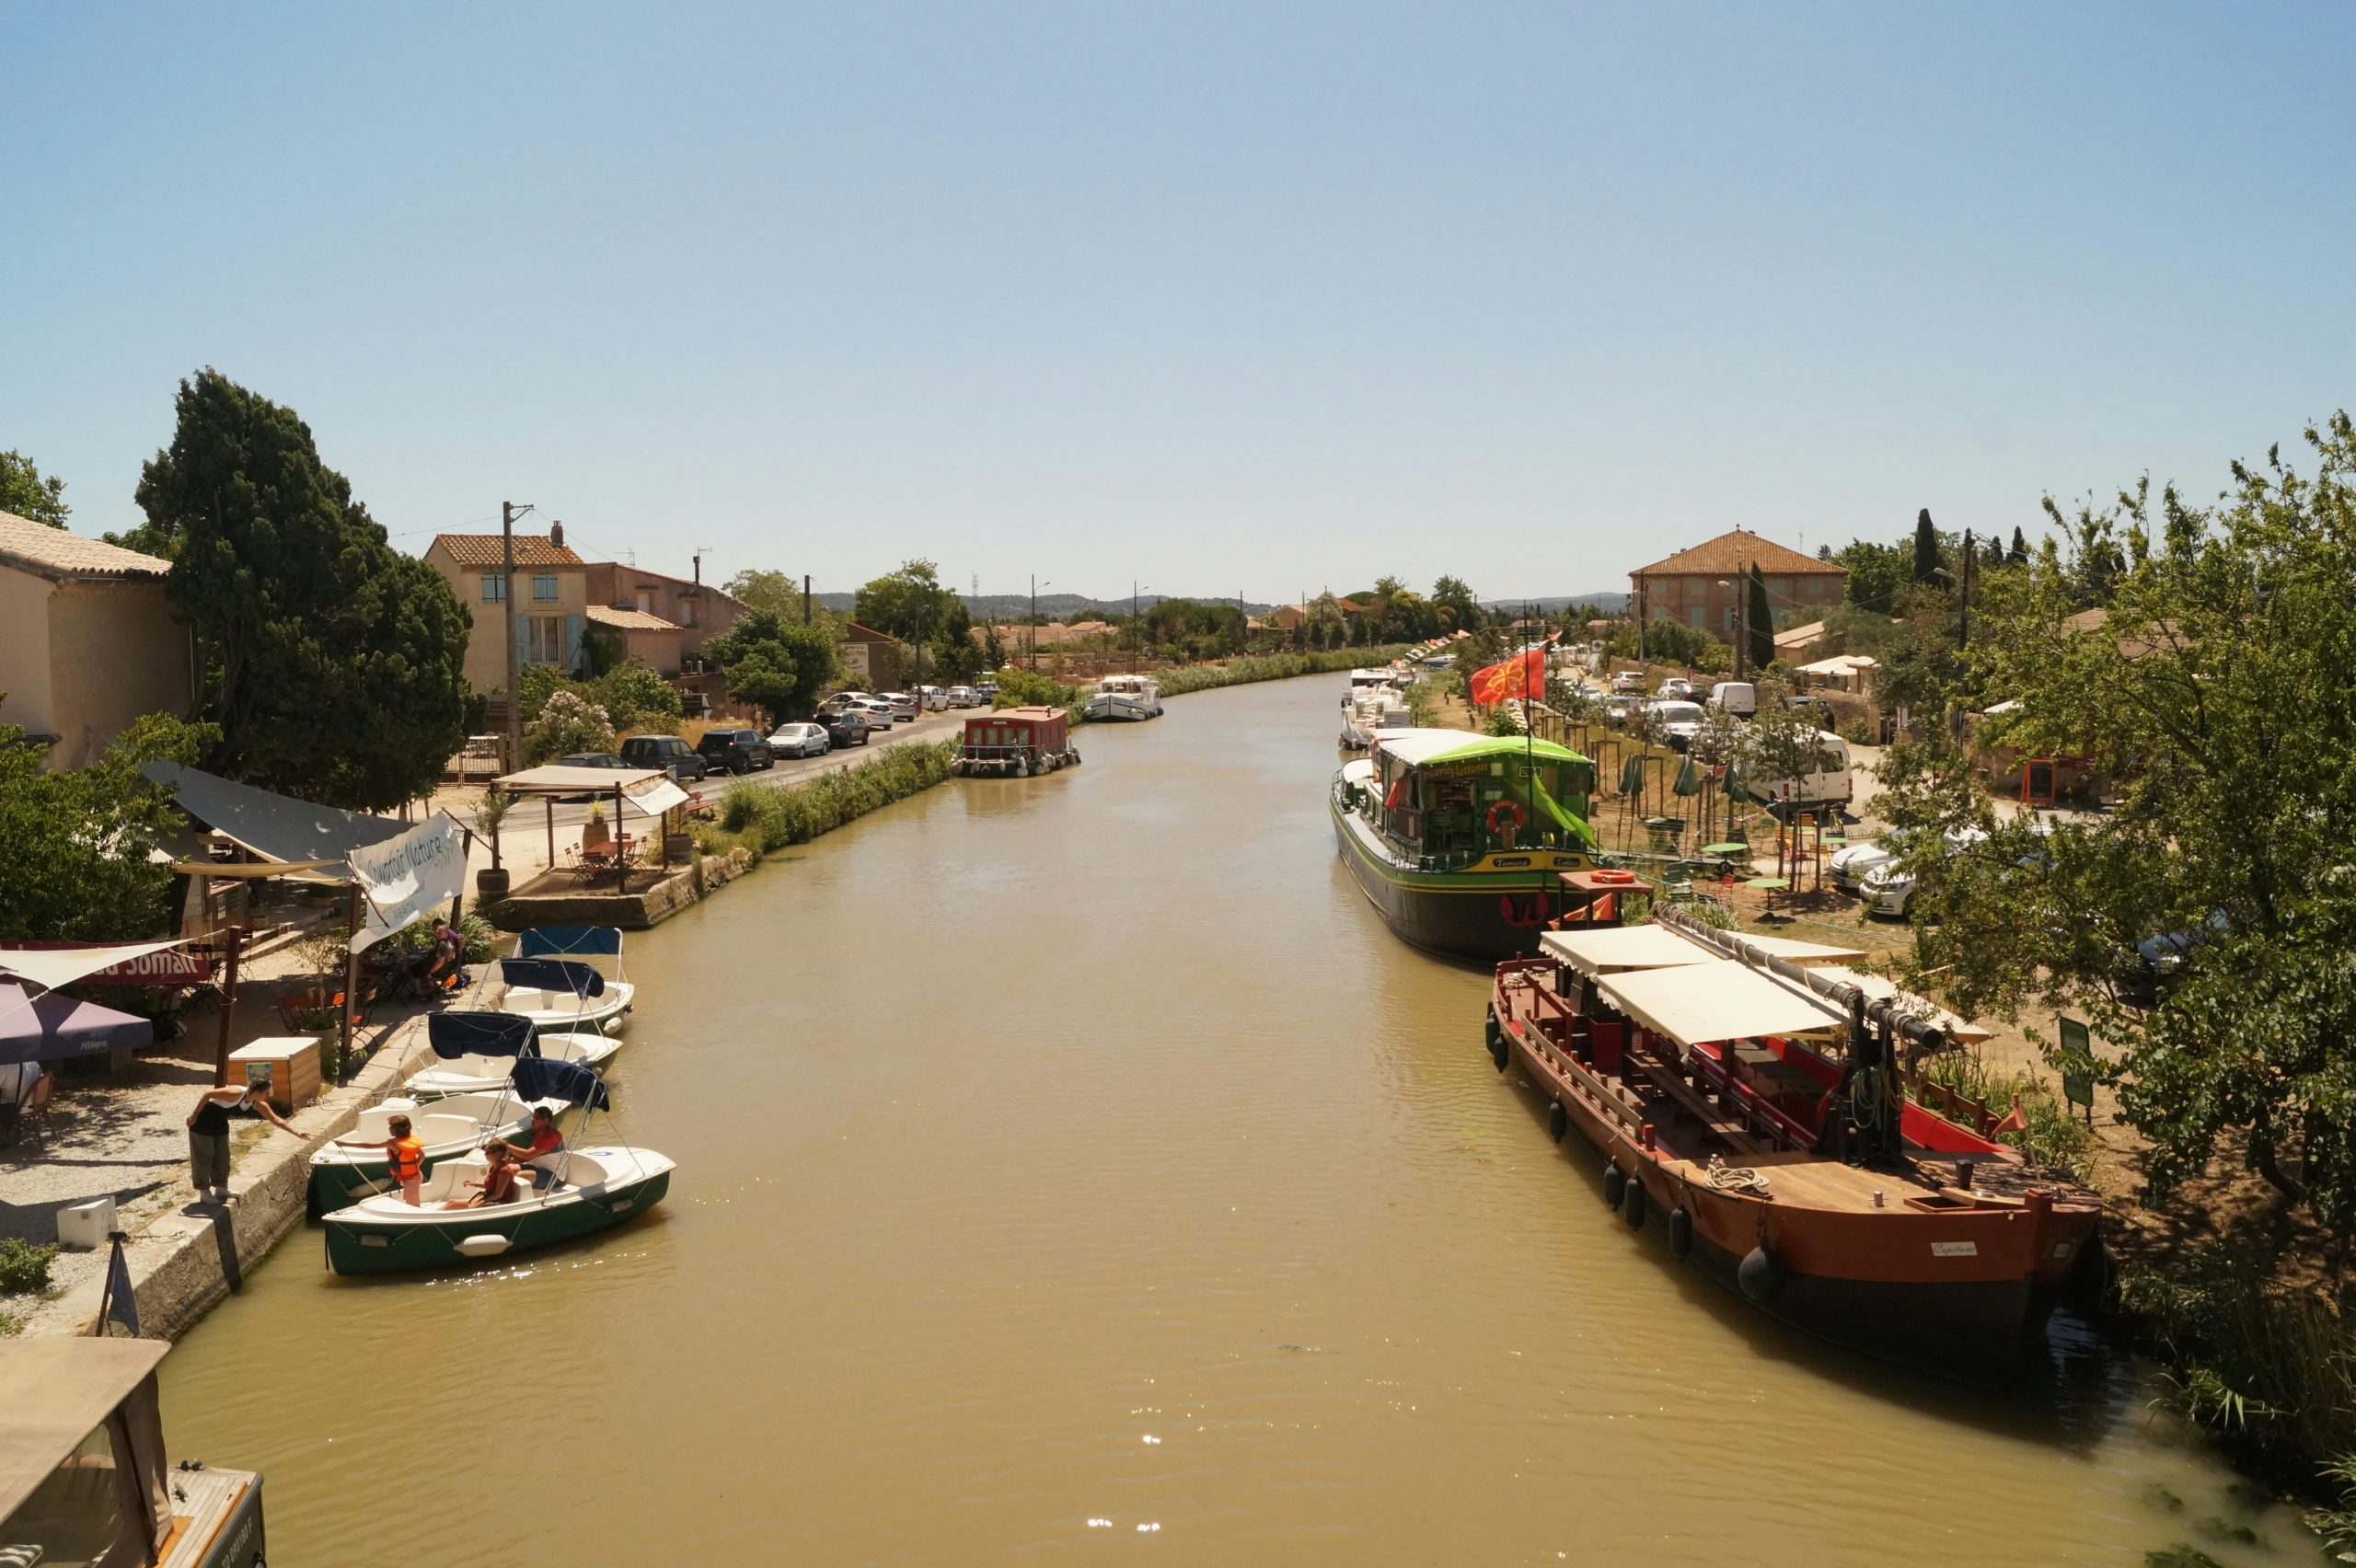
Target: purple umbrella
x,y
48,1027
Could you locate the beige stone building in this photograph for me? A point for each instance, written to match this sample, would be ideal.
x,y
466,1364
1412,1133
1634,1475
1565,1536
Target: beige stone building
x,y
88,640
692,609
552,601
1701,586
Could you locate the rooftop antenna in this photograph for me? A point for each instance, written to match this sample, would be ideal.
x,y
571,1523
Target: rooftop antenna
x,y
701,551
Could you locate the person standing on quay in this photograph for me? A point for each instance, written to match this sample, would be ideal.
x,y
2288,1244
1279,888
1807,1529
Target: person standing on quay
x,y
208,1134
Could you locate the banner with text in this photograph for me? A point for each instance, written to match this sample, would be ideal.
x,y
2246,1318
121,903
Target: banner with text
x,y
406,879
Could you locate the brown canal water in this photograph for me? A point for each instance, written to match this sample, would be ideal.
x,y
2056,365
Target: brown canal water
x,y
1078,1166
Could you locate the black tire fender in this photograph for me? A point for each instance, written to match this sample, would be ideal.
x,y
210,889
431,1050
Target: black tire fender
x,y
1615,1185
1558,1121
1634,1207
1681,1233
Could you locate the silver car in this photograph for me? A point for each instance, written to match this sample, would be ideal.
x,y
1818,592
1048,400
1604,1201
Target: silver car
x,y
903,705
801,740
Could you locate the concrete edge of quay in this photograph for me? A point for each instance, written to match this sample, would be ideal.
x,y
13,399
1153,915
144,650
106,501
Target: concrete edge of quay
x,y
182,1263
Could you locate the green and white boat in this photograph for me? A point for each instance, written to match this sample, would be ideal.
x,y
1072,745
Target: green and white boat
x,y
593,1189
450,1128
1460,840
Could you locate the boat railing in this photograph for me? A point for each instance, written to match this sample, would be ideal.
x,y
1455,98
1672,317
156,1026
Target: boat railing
x,y
1958,1108
1758,1110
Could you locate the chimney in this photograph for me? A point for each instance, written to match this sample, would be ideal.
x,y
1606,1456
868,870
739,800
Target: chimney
x,y
556,535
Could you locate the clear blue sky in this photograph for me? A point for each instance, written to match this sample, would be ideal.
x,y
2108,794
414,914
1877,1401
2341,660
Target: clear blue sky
x,y
1244,297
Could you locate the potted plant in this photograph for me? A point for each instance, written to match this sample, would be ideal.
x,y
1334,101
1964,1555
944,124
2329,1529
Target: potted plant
x,y
492,883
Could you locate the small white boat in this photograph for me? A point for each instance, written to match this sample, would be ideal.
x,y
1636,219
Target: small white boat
x,y
478,1052
1123,698
558,1197
561,994
1368,709
449,1127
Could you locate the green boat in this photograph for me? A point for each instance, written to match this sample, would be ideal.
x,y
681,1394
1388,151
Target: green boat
x,y
1460,840
591,1190
353,1167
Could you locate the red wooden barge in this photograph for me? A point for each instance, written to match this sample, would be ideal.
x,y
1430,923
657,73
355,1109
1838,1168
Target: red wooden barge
x,y
1015,742
1753,1110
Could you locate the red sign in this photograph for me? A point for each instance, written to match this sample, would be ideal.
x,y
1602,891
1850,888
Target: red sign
x,y
165,966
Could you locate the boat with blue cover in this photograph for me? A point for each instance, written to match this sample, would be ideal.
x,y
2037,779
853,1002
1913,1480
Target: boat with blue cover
x,y
561,996
477,1049
353,1167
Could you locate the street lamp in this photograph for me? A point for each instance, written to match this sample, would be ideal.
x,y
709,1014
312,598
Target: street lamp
x,y
1034,622
1135,630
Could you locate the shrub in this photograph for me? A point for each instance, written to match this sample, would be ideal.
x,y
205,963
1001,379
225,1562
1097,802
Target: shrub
x,y
24,1267
568,723
772,819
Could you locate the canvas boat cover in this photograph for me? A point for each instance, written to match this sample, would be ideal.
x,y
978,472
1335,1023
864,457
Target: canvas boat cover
x,y
455,1034
594,941
52,967
52,1027
1808,955
1879,988
1616,947
273,826
549,1077
1720,999
552,974
55,1391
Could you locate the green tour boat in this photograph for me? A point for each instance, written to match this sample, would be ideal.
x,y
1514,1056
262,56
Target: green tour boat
x,y
1460,840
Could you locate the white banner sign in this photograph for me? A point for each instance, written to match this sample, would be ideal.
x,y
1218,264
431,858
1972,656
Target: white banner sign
x,y
406,879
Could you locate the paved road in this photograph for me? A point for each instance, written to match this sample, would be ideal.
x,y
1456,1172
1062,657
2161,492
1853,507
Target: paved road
x,y
523,836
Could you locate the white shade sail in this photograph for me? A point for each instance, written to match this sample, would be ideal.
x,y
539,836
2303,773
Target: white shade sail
x,y
52,967
1720,999
1612,949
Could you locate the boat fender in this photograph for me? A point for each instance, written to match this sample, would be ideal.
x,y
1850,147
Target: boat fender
x,y
1558,1121
1615,1185
2090,1273
1075,759
485,1246
1498,1053
1635,1209
1491,1031
1761,1274
1680,1234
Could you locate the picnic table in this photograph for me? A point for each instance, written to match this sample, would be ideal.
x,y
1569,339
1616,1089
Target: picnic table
x,y
1769,887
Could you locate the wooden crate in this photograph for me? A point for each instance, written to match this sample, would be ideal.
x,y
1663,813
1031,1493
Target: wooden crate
x,y
291,1063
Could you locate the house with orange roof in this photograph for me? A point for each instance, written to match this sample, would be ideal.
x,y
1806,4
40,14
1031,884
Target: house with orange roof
x,y
552,592
1702,587
90,640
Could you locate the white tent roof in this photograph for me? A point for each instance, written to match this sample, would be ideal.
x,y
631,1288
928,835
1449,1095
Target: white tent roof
x,y
1614,948
557,779
1721,1000
52,967
1878,987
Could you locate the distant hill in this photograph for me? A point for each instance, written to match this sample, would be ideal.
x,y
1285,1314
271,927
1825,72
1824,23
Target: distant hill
x,y
1610,604
981,606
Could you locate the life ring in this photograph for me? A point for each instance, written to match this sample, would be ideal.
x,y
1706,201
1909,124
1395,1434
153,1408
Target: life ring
x,y
1508,804
1611,875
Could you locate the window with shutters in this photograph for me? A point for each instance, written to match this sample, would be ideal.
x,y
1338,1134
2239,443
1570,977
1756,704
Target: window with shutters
x,y
494,588
544,587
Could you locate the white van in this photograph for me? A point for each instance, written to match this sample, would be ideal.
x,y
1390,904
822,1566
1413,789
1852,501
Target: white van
x,y
1829,786
1738,698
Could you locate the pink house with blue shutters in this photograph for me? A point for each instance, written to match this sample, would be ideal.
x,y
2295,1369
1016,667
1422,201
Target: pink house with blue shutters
x,y
551,591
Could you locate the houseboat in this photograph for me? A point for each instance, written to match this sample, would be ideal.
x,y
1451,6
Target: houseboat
x,y
1460,840
84,1476
1747,1097
1123,698
1015,742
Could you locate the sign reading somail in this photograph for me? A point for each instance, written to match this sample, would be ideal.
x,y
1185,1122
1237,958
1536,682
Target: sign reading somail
x,y
407,879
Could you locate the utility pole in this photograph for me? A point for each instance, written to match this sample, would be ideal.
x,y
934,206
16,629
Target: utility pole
x,y
1137,632
1033,627
805,598
508,512
1741,619
1963,635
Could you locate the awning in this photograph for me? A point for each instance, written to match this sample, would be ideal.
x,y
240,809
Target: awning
x,y
478,1033
276,827
560,942
50,967
1723,1000
551,974
1879,988
558,780
52,1027
1616,947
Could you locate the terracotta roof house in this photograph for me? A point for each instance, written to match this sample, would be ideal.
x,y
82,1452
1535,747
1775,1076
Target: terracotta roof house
x,y
1701,586
695,608
551,591
88,640
647,638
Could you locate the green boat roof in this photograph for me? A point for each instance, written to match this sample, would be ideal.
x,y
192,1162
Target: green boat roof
x,y
1418,747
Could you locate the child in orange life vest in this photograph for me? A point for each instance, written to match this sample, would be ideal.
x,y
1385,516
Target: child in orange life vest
x,y
404,1158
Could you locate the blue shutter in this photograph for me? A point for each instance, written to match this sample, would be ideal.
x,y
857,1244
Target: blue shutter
x,y
574,662
523,640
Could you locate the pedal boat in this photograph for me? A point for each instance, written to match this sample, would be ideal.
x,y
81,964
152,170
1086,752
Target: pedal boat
x,y
594,1189
473,1073
449,1128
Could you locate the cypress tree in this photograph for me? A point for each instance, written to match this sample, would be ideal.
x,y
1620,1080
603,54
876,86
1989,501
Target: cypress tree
x,y
1926,549
1761,626
2020,547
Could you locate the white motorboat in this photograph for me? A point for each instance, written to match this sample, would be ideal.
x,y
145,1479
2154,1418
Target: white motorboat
x,y
558,1197
478,1051
353,1167
561,996
1368,709
1124,696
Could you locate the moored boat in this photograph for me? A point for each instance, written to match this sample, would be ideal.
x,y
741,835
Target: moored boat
x,y
593,1189
562,995
477,1050
1459,839
1123,698
1015,742
350,1169
1751,1107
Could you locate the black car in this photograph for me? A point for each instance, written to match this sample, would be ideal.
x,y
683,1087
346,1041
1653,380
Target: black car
x,y
669,753
594,759
738,750
845,727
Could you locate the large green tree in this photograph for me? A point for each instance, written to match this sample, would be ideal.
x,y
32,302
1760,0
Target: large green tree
x,y
1927,562
1876,575
2215,696
782,664
333,664
1456,602
24,491
79,863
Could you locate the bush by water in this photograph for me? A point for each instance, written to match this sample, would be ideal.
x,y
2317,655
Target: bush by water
x,y
769,819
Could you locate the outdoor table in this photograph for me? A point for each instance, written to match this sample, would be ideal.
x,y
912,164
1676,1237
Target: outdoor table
x,y
1769,887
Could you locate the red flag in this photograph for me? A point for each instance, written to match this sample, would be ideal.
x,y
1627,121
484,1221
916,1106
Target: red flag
x,y
1524,676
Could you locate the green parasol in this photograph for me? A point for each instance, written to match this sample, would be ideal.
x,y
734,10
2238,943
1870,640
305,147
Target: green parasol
x,y
1689,780
1632,773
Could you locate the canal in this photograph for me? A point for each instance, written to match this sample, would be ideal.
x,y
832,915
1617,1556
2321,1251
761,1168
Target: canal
x,y
1077,1165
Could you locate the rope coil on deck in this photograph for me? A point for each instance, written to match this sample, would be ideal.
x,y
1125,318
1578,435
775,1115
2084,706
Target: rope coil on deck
x,y
1728,1178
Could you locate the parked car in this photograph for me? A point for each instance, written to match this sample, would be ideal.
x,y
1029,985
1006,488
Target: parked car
x,y
845,727
669,753
843,700
1851,862
879,713
1675,689
1815,708
1616,709
1738,698
964,696
2156,966
1674,721
800,740
1829,783
987,690
904,705
594,759
738,750
1888,888
933,698
1629,683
